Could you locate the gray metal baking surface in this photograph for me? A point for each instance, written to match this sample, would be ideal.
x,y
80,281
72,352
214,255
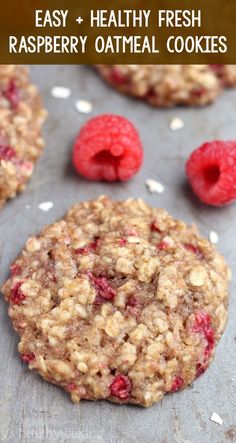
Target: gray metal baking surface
x,y
33,410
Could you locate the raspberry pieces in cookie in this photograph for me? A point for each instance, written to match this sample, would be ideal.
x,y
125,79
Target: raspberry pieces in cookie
x,y
21,120
118,301
170,85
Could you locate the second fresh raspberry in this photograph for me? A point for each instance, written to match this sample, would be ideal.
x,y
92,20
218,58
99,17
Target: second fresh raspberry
x,y
211,170
108,148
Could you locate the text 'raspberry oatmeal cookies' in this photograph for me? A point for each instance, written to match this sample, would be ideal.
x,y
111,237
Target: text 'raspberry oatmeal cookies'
x,y
106,312
170,85
21,120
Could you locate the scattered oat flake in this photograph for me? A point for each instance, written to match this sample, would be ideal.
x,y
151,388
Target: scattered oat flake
x,y
27,207
155,186
60,92
213,237
216,418
83,106
45,206
176,123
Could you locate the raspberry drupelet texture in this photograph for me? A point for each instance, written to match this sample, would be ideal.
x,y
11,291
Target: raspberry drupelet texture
x,y
211,170
105,313
108,148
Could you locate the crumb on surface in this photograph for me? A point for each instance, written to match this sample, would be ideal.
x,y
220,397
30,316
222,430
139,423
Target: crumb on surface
x,y
45,206
216,418
154,186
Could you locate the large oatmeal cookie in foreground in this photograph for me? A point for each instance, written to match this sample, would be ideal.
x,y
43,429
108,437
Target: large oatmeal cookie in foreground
x,y
169,85
118,301
21,119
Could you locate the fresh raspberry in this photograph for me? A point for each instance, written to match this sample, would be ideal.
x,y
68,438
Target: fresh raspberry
x,y
105,292
27,358
108,148
121,387
91,247
12,94
177,383
211,170
17,295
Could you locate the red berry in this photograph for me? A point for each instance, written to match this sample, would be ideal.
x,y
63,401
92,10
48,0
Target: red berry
x,y
133,301
154,227
190,247
200,369
122,241
121,387
194,249
7,153
27,358
12,93
108,148
217,69
91,247
203,326
177,383
163,245
72,387
105,292
117,77
211,170
15,269
17,295
198,92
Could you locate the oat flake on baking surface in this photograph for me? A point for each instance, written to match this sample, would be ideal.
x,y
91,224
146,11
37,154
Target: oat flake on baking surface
x,y
213,237
176,123
83,106
216,418
154,186
45,206
60,92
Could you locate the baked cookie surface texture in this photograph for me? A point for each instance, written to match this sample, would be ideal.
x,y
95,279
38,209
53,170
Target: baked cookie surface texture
x,y
21,120
118,301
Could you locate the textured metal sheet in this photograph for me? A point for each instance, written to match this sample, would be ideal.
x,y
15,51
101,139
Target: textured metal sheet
x,y
33,410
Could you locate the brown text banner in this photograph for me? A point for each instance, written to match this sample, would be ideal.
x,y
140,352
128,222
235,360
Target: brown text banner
x,y
121,31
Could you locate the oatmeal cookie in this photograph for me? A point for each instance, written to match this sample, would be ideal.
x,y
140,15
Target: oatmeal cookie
x,y
118,301
21,119
169,85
